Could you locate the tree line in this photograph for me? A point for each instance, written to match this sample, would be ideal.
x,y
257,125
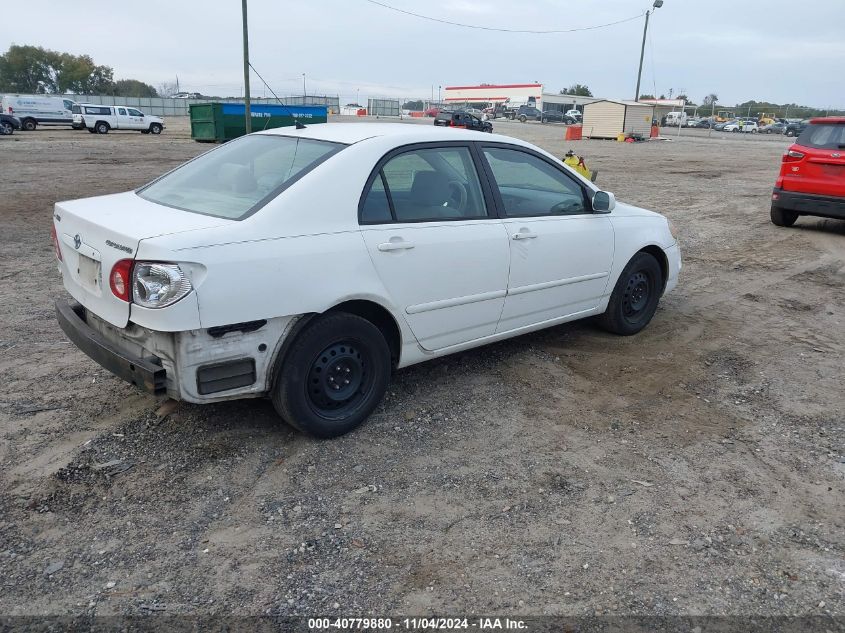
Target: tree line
x,y
37,70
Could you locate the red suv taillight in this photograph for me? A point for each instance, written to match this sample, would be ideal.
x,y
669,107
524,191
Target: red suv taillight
x,y
55,237
792,156
120,280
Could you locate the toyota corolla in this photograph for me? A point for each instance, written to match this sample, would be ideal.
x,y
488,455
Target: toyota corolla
x,y
306,265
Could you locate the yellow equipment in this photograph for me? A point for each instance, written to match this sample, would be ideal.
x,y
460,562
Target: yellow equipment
x,y
577,163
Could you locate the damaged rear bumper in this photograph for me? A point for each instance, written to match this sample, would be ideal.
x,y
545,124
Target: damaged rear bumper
x,y
145,373
200,366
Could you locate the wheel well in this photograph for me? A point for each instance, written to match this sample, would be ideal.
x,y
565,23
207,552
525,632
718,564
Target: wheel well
x,y
104,122
378,316
660,256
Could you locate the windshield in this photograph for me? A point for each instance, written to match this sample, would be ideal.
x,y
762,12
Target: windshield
x,y
240,177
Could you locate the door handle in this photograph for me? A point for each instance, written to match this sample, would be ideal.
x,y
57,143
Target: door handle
x,y
400,245
524,235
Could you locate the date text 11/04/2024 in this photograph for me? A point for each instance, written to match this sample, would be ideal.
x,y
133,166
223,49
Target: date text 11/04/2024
x,y
376,624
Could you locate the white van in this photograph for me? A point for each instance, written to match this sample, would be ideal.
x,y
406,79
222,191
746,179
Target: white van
x,y
101,119
35,110
676,119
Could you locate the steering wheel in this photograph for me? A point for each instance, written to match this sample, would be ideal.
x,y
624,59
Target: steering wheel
x,y
565,207
458,198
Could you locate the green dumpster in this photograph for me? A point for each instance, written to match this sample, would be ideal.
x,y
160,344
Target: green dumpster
x,y
217,122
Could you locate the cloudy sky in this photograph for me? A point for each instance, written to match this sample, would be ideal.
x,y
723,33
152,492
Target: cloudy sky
x,y
776,50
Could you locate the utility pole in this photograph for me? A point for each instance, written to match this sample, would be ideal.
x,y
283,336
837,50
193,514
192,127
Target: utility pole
x,y
657,4
304,92
247,111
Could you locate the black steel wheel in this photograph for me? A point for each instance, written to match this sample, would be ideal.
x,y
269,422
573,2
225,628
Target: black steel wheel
x,y
635,296
333,375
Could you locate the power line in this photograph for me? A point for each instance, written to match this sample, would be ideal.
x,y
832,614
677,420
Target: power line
x,y
489,28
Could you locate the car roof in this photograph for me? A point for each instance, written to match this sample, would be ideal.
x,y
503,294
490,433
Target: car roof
x,y
827,119
402,133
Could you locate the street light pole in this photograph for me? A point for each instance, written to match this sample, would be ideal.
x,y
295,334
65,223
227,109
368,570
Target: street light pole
x,y
304,92
657,5
247,111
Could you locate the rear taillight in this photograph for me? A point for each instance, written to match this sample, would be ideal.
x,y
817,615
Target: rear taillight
x,y
55,237
120,280
792,156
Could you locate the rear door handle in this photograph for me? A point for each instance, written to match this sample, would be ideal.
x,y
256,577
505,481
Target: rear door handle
x,y
524,235
399,245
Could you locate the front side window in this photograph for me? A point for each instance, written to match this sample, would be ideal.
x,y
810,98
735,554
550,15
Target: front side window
x,y
134,112
529,186
239,177
426,185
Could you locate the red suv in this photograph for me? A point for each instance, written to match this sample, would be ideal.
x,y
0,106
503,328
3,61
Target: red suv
x,y
812,175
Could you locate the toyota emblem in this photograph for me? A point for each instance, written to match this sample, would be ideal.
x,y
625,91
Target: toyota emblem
x,y
836,155
77,241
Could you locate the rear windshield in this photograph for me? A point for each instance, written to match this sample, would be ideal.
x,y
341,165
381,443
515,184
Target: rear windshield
x,y
823,136
239,177
76,109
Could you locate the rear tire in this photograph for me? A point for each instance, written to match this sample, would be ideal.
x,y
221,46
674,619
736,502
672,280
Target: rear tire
x,y
523,119
635,296
783,217
790,133
102,127
29,125
333,375
91,130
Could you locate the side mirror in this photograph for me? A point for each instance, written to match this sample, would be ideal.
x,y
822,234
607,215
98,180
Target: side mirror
x,y
603,202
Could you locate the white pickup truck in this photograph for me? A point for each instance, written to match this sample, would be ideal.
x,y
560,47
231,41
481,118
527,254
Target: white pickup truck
x,y
100,119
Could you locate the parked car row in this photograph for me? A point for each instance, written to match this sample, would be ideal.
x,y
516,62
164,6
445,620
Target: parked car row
x,y
30,111
742,124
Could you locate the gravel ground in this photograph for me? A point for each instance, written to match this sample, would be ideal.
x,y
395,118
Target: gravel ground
x,y
696,468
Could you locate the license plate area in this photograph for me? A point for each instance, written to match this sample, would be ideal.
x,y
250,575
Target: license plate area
x,y
89,273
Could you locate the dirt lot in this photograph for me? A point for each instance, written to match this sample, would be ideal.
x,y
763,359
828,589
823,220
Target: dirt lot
x,y
696,468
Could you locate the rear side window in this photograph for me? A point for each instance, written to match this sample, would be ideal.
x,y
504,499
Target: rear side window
x,y
823,136
425,185
97,110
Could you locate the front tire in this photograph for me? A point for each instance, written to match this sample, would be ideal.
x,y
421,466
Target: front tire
x,y
155,128
29,125
333,376
634,299
6,128
523,119
783,217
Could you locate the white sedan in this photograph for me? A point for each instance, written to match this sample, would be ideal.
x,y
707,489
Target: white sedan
x,y
307,265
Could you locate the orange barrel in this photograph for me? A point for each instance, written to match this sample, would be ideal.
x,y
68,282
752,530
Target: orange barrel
x,y
655,131
573,133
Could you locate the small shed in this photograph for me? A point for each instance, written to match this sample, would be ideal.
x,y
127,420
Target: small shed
x,y
609,118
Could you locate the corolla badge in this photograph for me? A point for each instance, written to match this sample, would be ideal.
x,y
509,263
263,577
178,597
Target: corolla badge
x,y
77,241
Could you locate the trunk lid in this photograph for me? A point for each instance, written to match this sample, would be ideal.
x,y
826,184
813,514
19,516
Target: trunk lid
x,y
95,233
